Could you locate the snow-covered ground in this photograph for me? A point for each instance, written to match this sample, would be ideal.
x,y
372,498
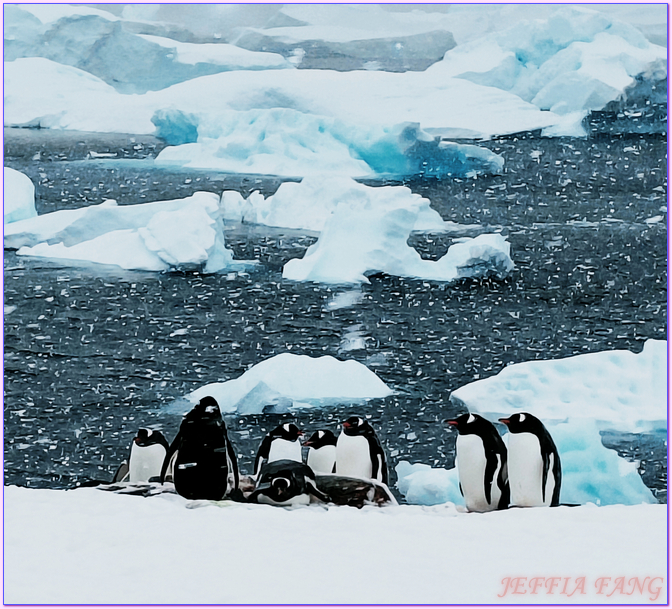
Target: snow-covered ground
x,y
92,547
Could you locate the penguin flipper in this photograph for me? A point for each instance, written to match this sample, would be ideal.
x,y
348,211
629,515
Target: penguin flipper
x,y
262,454
312,487
492,460
233,461
121,473
169,455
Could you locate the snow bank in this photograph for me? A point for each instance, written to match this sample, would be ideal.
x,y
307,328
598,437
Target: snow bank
x,y
310,203
19,196
368,232
288,380
591,473
182,233
91,547
577,59
618,389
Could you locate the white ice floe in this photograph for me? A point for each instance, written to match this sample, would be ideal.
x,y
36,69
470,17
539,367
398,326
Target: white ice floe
x,y
368,233
288,380
122,544
158,236
18,196
575,60
117,51
591,473
312,202
618,389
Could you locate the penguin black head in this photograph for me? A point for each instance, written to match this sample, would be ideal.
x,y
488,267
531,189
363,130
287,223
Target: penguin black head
x,y
356,426
321,438
149,437
206,411
280,488
524,422
286,431
469,423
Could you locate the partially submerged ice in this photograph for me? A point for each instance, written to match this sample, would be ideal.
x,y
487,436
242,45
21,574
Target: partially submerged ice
x,y
368,232
618,389
591,473
288,381
19,196
309,204
159,236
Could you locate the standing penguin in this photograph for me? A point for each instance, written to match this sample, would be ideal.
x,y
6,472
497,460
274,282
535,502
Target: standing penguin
x,y
286,482
148,452
279,443
201,456
481,464
534,463
359,453
322,452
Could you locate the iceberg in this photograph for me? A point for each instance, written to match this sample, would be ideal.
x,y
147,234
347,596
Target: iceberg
x,y
159,236
19,196
368,232
591,473
575,60
310,203
107,47
288,380
620,390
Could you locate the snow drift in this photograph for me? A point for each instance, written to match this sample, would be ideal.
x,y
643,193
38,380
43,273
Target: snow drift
x,y
288,381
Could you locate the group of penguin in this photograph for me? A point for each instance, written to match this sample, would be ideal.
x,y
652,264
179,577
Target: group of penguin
x,y
201,461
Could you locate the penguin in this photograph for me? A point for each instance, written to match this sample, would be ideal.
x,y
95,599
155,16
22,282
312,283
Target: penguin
x,y
535,473
481,464
322,452
148,451
279,443
359,453
286,482
201,456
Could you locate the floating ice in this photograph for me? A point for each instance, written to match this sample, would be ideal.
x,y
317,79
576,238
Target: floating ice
x,y
619,389
285,379
19,196
312,202
109,48
368,233
182,233
577,59
591,473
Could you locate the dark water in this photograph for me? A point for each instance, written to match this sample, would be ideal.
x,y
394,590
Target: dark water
x,y
91,354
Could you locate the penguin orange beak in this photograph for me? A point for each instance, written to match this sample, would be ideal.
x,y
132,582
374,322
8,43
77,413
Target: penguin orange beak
x,y
451,421
505,421
346,425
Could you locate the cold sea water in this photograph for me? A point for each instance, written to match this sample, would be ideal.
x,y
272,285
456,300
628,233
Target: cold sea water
x,y
92,353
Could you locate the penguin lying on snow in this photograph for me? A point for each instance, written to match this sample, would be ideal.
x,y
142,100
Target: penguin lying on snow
x,y
279,443
201,456
286,482
481,464
359,453
534,463
322,452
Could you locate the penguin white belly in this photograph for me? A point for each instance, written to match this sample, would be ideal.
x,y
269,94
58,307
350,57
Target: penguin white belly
x,y
303,499
145,462
284,449
321,460
471,463
353,457
525,471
